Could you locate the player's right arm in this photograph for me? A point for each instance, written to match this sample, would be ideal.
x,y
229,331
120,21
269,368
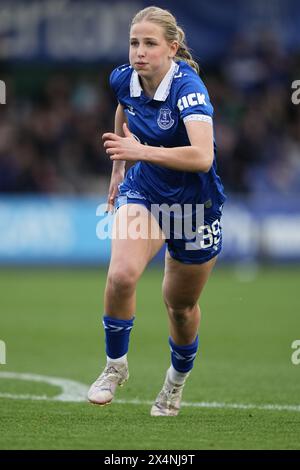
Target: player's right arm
x,y
118,169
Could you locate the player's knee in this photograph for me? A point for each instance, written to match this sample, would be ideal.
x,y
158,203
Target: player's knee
x,y
122,279
181,315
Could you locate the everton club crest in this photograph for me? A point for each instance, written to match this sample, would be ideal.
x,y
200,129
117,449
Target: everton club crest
x,y
165,120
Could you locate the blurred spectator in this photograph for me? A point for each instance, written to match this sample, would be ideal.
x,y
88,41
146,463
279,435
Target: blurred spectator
x,y
51,142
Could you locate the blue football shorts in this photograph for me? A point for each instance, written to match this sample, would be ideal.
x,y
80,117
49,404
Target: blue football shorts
x,y
200,243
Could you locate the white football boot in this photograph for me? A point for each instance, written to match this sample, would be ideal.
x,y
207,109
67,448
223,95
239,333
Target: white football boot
x,y
168,400
103,389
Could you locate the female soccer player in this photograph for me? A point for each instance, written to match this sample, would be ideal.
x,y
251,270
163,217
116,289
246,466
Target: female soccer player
x,y
163,124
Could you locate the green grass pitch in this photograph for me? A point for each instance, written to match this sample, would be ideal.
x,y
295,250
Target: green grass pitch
x,y
50,321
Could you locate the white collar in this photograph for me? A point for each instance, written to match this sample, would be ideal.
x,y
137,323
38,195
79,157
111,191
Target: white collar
x,y
163,89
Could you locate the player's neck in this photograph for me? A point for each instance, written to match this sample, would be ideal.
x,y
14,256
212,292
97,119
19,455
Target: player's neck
x,y
149,87
151,84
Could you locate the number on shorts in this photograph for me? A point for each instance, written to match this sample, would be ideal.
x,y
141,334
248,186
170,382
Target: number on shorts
x,y
211,234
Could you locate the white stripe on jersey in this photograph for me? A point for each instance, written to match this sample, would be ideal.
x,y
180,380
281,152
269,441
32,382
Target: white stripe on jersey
x,y
198,117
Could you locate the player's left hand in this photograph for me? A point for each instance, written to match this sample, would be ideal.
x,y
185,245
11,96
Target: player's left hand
x,y
123,148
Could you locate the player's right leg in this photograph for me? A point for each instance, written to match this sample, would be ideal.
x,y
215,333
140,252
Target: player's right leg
x,y
131,252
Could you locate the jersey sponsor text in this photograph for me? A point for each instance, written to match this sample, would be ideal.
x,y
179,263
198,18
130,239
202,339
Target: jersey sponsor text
x,y
192,99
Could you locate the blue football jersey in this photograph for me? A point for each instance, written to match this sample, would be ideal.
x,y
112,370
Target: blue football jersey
x,y
160,121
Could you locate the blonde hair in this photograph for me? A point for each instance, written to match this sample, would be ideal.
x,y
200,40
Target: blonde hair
x,y
172,31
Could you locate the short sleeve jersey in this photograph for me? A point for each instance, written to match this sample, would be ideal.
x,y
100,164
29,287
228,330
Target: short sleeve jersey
x,y
160,121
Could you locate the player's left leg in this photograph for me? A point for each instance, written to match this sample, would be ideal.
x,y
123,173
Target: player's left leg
x,y
182,287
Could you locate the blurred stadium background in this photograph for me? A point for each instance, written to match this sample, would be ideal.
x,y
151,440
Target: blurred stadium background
x,y
55,59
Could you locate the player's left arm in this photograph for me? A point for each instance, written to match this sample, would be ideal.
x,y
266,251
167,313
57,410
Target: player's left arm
x,y
200,134
196,157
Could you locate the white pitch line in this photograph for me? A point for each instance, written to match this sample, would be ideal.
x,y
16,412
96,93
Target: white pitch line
x,y
24,397
72,391
204,404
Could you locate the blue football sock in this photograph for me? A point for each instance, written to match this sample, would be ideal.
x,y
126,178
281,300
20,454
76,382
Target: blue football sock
x,y
117,334
183,357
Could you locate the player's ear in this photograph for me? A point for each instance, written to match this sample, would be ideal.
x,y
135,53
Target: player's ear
x,y
174,46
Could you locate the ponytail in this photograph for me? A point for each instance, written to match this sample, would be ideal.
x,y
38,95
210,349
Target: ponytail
x,y
183,52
